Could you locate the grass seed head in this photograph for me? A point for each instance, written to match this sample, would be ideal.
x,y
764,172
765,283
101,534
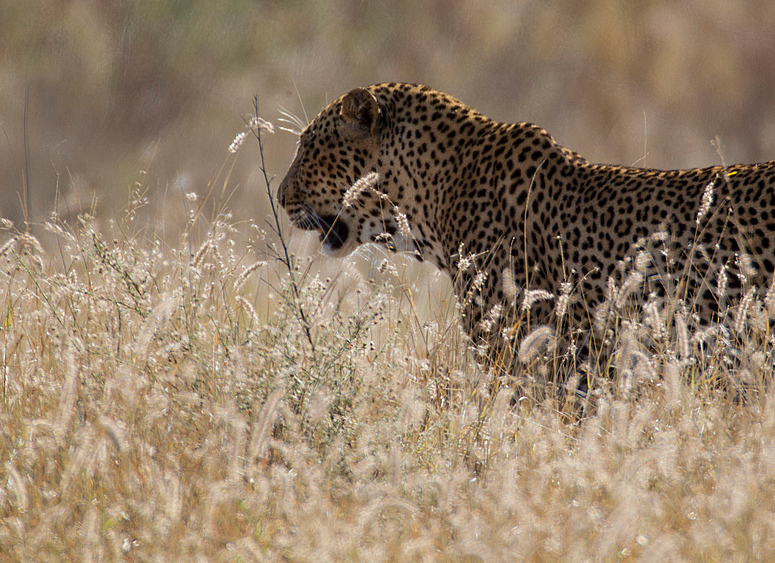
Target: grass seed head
x,y
707,200
532,296
365,184
537,342
237,142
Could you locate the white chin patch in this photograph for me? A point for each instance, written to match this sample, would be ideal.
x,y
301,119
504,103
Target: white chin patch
x,y
340,251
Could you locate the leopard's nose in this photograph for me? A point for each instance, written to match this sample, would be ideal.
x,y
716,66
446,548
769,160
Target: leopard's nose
x,y
282,190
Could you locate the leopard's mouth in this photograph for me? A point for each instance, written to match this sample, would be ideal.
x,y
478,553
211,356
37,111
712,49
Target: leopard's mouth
x,y
334,232
332,229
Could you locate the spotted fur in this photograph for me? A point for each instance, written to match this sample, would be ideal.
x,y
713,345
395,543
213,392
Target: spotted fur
x,y
527,211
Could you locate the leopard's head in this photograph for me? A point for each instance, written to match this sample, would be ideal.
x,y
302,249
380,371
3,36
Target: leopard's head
x,y
337,149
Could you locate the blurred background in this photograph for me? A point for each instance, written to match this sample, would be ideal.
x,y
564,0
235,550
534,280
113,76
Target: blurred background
x,y
103,101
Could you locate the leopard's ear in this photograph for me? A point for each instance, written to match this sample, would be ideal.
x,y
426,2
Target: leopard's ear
x,y
361,111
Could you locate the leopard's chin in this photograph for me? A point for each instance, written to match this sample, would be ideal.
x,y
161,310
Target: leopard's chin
x,y
338,246
335,235
341,251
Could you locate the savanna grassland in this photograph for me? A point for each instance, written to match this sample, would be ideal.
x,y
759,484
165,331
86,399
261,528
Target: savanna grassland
x,y
226,401
184,379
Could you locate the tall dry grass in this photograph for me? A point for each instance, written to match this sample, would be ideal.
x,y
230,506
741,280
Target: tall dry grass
x,y
223,400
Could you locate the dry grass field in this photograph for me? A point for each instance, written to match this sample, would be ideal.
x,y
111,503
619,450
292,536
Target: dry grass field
x,y
185,380
221,400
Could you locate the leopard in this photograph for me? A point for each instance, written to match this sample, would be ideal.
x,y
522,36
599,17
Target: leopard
x,y
510,214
